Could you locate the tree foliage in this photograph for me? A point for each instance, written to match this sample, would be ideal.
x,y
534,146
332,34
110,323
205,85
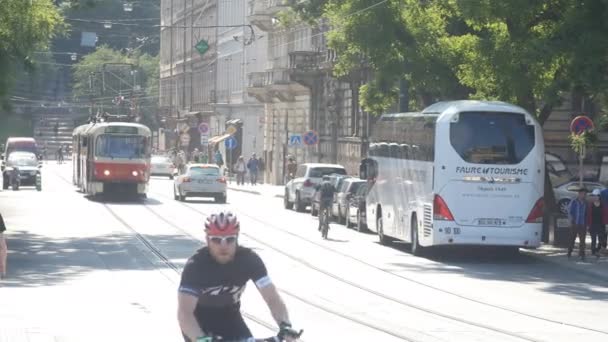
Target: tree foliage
x,y
524,51
25,27
89,80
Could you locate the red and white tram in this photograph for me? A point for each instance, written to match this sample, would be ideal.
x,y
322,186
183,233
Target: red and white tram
x,y
111,157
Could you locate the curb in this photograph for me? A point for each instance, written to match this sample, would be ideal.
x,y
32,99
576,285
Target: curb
x,y
243,190
571,265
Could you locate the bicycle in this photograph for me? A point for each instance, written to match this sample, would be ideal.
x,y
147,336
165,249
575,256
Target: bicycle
x,y
277,338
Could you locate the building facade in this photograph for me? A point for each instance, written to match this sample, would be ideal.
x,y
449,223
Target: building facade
x,y
300,95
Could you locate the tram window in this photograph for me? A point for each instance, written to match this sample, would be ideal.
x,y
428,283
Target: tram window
x,y
84,141
120,146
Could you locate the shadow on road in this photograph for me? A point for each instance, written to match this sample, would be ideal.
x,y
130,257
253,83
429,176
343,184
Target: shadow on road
x,y
36,260
493,264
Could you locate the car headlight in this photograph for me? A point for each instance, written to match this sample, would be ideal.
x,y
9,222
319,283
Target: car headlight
x,y
134,173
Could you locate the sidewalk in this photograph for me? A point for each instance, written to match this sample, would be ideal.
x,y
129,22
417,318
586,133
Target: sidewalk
x,y
267,190
593,266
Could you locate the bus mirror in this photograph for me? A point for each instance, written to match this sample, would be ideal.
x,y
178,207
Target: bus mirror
x,y
363,169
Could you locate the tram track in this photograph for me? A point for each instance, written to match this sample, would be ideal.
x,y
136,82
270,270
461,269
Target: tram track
x,y
273,226
161,256
268,224
351,283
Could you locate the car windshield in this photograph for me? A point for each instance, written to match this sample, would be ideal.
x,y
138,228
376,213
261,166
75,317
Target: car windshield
x,y
120,146
319,172
22,160
204,171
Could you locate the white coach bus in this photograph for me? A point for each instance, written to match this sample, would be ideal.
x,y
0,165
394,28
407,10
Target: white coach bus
x,y
458,173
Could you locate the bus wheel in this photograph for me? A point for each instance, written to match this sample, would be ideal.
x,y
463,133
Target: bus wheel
x,y
383,239
416,249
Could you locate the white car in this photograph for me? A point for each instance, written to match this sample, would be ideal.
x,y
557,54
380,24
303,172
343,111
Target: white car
x,y
568,191
301,189
200,180
162,166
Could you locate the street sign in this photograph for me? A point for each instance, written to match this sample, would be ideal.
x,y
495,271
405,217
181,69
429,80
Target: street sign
x,y
203,128
311,138
202,47
581,124
231,130
230,143
184,139
295,140
204,139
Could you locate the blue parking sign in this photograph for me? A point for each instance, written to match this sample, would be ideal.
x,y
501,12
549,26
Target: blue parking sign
x,y
230,143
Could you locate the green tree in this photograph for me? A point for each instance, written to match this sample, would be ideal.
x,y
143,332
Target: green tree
x,y
25,27
529,52
89,80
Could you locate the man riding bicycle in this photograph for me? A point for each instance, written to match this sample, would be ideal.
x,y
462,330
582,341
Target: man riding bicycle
x,y
326,199
213,281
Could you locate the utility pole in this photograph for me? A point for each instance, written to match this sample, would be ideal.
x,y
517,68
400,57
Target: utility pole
x,y
191,51
171,66
184,59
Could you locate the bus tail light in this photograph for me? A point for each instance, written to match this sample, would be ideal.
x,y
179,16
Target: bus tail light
x,y
441,210
536,215
222,180
307,183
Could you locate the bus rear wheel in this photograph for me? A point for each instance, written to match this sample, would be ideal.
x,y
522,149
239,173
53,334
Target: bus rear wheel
x,y
384,240
415,248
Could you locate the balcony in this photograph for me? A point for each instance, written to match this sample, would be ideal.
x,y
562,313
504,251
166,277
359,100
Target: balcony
x,y
262,12
274,84
256,82
304,65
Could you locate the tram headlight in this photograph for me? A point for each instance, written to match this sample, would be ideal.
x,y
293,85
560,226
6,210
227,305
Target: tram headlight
x,y
134,173
106,172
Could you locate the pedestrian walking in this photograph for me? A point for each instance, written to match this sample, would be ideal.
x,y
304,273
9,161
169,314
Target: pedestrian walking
x,y
577,214
597,218
60,155
253,167
219,160
3,249
240,168
56,129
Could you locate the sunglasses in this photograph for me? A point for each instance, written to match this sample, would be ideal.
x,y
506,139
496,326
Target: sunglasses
x,y
223,240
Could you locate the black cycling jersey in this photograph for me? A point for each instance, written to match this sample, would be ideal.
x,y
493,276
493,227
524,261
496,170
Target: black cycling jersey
x,y
219,288
2,226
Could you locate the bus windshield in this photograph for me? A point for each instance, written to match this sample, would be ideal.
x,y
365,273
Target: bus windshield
x,y
120,146
492,137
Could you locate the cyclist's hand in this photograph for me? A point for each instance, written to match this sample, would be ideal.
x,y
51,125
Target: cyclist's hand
x,y
287,333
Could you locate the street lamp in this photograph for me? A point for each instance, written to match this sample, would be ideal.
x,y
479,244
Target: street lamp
x,y
73,56
107,24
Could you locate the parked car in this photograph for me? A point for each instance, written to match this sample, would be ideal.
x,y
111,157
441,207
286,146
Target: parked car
x,y
162,166
200,180
336,180
28,168
566,192
357,209
343,195
300,190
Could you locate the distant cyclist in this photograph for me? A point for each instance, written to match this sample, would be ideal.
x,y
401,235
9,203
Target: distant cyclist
x,y
213,280
326,199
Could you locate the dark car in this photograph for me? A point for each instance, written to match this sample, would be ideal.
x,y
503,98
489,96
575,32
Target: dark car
x,y
357,209
348,188
336,180
28,168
